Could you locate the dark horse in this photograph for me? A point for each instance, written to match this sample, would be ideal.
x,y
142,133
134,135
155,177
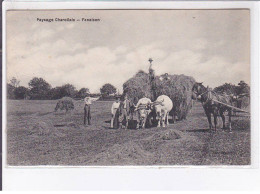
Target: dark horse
x,y
208,99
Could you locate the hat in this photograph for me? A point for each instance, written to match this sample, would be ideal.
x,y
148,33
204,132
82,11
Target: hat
x,y
241,83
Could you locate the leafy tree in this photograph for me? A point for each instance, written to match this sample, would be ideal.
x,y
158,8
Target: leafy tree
x,y
10,91
107,89
55,93
82,92
229,89
226,88
14,82
39,88
68,90
20,92
62,91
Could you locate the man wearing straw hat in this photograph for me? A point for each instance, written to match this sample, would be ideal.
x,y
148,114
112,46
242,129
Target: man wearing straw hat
x,y
243,89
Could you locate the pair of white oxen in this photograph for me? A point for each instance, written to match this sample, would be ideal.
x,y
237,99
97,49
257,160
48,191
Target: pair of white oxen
x,y
162,107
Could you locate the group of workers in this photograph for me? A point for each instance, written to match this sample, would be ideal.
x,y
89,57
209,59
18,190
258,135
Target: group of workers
x,y
115,106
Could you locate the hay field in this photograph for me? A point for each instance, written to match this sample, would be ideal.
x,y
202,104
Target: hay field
x,y
37,136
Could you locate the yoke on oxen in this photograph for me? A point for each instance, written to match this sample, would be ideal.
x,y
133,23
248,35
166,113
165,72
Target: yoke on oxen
x,y
143,110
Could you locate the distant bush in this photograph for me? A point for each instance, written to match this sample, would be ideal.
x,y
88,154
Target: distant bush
x,y
21,92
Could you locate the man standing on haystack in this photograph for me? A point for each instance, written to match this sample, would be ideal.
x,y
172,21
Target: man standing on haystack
x,y
88,101
152,80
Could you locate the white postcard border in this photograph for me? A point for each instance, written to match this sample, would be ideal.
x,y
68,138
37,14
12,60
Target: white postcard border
x,y
133,178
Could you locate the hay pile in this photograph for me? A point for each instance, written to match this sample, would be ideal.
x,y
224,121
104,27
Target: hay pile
x,y
130,153
177,87
73,125
65,103
42,128
168,135
138,86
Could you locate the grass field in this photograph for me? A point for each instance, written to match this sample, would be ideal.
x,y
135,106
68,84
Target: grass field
x,y
38,136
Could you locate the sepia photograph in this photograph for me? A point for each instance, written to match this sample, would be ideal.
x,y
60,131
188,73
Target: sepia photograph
x,y
128,87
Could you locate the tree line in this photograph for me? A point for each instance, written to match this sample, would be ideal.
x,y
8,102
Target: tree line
x,y
40,89
236,90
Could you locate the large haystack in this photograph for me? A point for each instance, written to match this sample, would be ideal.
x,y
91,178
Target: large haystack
x,y
138,86
177,87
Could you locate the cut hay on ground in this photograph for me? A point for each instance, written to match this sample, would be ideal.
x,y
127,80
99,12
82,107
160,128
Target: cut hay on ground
x,y
168,135
65,103
74,125
130,153
42,128
177,87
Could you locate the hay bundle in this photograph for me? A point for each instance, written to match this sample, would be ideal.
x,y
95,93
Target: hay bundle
x,y
66,103
177,87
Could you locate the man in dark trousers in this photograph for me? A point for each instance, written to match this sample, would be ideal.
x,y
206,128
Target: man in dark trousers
x,y
87,115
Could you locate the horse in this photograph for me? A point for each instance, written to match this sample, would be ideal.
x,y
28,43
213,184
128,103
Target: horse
x,y
208,99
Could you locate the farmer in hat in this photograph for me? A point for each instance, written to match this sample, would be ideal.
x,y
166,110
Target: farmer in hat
x,y
88,101
243,94
243,89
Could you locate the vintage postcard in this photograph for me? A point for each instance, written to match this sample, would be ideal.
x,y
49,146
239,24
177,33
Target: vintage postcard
x,y
128,87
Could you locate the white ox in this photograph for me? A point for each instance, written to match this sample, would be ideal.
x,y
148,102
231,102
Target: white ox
x,y
143,110
163,105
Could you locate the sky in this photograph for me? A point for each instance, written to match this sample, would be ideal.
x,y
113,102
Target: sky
x,y
213,46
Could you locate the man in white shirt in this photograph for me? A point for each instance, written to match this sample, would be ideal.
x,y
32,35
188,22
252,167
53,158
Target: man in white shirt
x,y
87,115
114,108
